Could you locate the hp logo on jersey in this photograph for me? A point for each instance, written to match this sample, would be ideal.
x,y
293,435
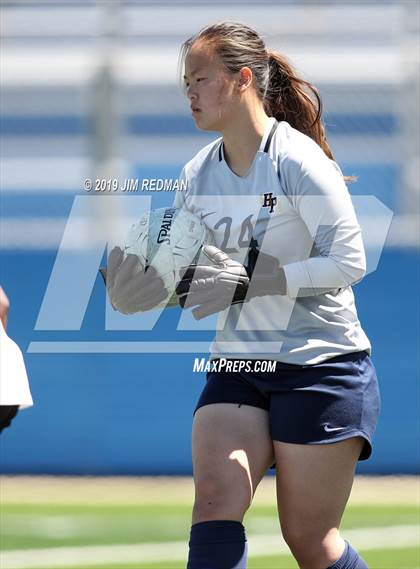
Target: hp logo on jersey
x,y
269,201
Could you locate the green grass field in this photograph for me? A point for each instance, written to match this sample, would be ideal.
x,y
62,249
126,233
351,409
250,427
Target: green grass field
x,y
60,513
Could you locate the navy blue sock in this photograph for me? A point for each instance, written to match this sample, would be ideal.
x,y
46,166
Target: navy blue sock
x,y
218,544
349,560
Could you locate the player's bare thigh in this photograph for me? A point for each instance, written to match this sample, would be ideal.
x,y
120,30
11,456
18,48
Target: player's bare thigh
x,y
232,450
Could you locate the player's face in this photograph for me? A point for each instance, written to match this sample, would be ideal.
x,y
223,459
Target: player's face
x,y
209,88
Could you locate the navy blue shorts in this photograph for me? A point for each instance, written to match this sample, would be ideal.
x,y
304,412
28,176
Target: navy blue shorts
x,y
308,404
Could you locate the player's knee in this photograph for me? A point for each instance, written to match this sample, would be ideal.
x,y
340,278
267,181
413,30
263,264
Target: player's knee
x,y
310,547
215,497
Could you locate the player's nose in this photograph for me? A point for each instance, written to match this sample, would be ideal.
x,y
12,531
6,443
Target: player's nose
x,y
191,94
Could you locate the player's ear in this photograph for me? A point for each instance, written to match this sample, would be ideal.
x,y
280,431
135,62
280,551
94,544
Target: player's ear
x,y
245,78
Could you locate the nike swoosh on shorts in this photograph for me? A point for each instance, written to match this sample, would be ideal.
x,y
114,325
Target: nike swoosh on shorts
x,y
329,429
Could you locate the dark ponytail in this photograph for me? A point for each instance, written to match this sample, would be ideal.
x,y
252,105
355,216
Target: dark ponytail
x,y
294,100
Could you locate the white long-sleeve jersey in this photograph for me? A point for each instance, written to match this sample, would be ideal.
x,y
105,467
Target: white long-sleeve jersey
x,y
294,202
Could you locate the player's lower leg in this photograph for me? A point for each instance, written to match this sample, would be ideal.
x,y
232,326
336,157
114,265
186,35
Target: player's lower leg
x,y
219,544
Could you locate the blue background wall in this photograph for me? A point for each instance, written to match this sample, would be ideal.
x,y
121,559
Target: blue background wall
x,y
132,413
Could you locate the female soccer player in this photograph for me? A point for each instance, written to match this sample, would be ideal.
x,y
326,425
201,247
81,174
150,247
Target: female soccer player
x,y
287,250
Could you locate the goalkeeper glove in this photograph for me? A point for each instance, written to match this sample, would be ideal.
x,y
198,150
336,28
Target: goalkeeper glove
x,y
131,286
214,287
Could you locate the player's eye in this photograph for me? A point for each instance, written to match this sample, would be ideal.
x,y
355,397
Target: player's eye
x,y
201,79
